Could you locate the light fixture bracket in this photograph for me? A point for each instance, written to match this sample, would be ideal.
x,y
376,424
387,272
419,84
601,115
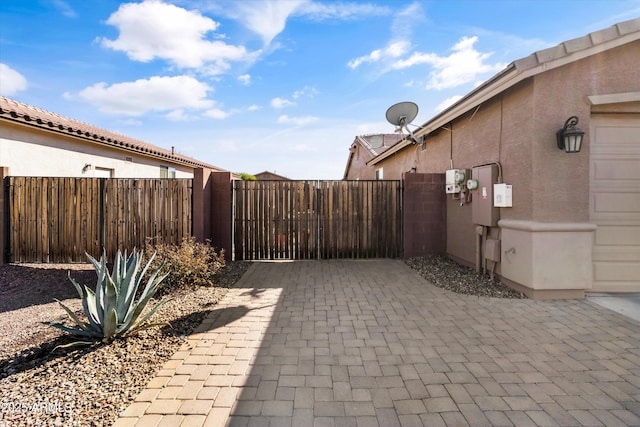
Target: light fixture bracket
x,y
570,137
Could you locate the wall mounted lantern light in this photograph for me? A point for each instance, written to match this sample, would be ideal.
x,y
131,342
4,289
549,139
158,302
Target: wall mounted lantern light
x,y
570,136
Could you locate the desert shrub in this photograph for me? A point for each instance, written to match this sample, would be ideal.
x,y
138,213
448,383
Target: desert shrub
x,y
118,306
189,264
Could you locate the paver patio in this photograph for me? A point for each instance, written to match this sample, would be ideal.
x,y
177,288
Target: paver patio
x,y
371,343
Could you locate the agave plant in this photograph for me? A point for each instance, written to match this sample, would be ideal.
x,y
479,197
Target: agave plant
x,y
113,311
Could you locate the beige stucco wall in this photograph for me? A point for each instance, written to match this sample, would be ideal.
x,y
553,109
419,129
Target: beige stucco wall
x,y
30,152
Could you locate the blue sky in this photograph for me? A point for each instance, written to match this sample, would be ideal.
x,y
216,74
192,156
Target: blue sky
x,y
277,85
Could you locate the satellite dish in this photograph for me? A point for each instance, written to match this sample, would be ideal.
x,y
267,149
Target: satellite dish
x,y
376,141
401,114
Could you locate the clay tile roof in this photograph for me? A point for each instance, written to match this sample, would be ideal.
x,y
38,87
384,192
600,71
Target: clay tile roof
x,y
18,112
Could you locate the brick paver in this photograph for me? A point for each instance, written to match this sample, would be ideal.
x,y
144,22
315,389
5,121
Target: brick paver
x,y
369,342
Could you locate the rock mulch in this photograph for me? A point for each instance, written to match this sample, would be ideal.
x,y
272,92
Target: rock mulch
x,y
42,385
447,274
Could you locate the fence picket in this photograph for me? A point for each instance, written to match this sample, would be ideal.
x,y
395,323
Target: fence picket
x,y
311,219
56,219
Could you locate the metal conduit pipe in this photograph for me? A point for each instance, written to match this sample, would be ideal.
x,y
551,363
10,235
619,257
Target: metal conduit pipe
x,y
479,234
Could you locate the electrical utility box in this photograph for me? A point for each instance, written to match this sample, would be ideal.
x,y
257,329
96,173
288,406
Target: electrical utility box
x,y
502,195
454,180
484,212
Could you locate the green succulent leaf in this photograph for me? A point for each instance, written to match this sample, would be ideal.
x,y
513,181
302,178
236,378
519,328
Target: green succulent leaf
x,y
110,325
82,325
74,344
112,310
73,331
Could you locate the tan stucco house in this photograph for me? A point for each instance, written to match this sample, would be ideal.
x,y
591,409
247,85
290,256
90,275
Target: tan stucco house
x,y
270,176
560,224
35,142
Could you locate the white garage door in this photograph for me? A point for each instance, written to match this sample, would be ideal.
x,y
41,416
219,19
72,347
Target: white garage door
x,y
615,202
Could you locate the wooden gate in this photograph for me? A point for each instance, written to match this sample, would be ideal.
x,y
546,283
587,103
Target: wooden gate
x,y
317,219
59,219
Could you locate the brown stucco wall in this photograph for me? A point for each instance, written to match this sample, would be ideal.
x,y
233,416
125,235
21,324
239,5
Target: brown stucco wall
x,y
517,129
561,190
358,169
424,214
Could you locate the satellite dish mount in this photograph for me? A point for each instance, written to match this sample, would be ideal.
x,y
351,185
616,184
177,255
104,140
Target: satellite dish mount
x,y
401,115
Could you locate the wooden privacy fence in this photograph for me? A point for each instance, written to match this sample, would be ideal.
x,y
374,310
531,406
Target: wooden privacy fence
x,y
317,219
59,219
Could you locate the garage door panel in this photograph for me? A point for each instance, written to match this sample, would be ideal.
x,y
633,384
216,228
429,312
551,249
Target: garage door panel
x,y
617,253
617,271
623,203
616,133
617,236
616,171
615,202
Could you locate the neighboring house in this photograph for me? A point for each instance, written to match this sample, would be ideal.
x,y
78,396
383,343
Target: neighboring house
x,y
574,224
35,142
365,148
270,176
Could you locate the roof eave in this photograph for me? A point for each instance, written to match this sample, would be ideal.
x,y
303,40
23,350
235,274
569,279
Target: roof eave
x,y
94,138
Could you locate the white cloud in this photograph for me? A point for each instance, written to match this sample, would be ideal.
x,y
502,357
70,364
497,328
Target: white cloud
x,y
392,51
298,121
405,20
153,29
464,65
245,79
339,10
307,91
254,107
178,116
402,27
216,113
447,103
65,9
267,18
154,94
11,81
281,103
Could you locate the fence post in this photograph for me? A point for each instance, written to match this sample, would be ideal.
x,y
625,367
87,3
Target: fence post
x,y
201,204
221,218
4,215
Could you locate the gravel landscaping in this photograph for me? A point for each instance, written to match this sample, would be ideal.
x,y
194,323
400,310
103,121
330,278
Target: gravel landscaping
x,y
42,385
86,386
447,274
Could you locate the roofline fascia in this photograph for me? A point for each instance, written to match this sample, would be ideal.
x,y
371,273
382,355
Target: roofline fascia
x,y
349,161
